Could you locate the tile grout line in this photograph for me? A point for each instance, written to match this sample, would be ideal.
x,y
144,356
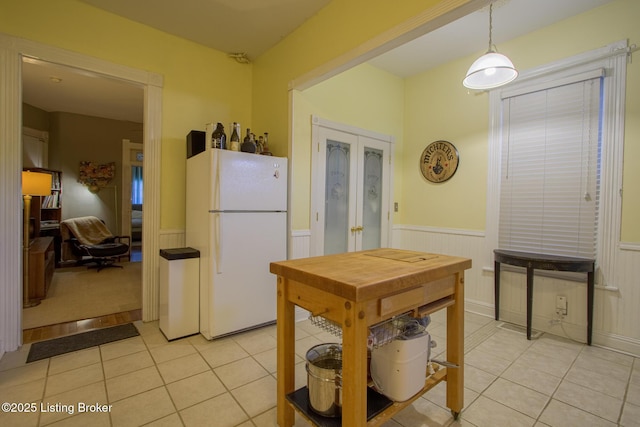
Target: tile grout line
x,y
474,339
164,384
584,346
626,391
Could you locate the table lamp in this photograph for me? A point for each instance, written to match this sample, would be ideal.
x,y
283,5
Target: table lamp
x,y
33,184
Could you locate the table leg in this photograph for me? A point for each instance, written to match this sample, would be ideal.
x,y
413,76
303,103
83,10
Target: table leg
x,y
529,300
496,285
285,354
354,366
590,292
455,349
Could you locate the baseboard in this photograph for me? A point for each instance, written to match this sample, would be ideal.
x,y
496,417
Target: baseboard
x,y
617,343
479,307
609,341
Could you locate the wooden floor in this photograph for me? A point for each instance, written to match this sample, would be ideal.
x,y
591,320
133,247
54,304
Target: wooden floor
x,y
70,328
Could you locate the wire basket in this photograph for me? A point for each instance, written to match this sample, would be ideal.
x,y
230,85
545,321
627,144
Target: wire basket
x,y
399,327
327,325
381,333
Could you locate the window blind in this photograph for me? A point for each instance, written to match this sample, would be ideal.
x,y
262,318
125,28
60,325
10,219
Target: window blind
x,y
136,185
550,169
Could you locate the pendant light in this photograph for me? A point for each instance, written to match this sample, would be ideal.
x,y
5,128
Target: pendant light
x,y
492,69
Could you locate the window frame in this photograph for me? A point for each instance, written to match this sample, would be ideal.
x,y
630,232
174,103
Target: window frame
x,y
613,59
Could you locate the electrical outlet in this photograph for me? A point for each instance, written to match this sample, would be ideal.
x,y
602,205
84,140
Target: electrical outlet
x,y
561,305
395,207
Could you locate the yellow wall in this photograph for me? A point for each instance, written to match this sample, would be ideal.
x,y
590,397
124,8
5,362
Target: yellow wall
x,y
450,113
437,106
347,98
340,28
200,84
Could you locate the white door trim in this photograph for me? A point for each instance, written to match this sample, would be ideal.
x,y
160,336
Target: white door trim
x,y
12,50
318,171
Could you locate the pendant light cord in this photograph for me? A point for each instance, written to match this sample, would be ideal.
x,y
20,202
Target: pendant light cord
x,y
490,27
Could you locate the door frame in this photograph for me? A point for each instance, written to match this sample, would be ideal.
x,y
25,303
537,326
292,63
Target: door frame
x,y
12,50
43,137
318,168
127,148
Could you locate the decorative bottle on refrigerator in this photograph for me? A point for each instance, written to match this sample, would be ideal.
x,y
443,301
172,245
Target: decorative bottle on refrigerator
x,y
259,145
265,148
235,138
219,138
248,145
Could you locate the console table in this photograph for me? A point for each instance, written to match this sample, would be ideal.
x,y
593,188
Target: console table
x,y
41,264
357,290
532,261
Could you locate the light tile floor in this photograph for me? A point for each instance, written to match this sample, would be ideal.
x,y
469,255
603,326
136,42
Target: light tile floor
x,y
146,380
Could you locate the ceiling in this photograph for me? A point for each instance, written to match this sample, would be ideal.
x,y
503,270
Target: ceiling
x,y
253,26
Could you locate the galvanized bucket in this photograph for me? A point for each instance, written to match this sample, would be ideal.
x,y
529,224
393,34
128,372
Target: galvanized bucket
x,y
324,379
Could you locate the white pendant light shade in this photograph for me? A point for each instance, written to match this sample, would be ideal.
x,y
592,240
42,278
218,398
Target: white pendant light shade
x,y
490,70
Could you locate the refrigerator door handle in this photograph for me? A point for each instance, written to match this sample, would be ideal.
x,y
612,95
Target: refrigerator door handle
x,y
217,226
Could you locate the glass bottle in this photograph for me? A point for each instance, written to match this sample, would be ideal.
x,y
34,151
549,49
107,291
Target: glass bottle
x,y
248,145
219,138
265,142
259,145
234,143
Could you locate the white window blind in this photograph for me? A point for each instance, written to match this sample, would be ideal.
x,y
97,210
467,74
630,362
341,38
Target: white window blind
x,y
550,171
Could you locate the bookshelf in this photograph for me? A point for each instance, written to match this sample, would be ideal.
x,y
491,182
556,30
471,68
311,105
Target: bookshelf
x,y
46,211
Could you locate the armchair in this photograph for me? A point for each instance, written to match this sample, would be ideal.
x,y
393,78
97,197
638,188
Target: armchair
x,y
89,241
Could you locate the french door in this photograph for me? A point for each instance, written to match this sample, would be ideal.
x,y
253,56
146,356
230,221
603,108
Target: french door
x,y
351,189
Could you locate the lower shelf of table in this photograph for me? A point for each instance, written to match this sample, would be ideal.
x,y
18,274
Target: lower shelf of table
x,y
376,403
379,408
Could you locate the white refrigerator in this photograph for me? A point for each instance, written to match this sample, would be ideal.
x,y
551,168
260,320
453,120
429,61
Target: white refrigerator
x,y
237,218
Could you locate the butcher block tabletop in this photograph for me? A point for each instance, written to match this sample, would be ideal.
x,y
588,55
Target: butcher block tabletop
x,y
364,275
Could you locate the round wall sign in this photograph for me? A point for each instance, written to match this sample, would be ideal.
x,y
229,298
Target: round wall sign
x,y
439,161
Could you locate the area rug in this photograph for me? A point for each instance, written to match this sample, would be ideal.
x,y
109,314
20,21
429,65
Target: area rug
x,y
45,349
79,293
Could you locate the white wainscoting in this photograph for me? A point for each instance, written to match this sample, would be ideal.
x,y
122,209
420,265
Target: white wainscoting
x,y
616,315
166,239
171,239
298,248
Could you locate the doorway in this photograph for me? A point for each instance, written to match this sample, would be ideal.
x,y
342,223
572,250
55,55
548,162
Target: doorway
x,y
133,195
352,181
76,294
12,51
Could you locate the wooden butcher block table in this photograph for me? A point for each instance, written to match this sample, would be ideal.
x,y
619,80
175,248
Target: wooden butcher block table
x,y
357,290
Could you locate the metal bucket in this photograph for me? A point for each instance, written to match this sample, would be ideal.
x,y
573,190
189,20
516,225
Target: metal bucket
x,y
324,379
